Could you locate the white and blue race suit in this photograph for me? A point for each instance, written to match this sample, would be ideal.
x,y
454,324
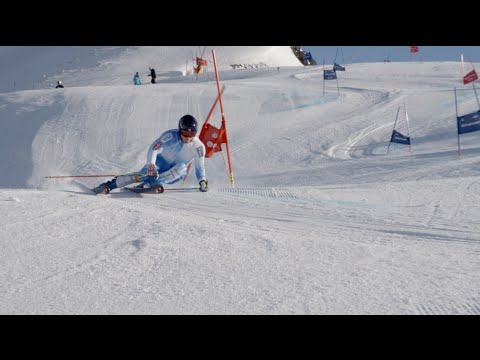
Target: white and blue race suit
x,y
171,157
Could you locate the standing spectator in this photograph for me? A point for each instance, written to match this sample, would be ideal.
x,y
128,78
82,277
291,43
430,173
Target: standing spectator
x,y
153,75
59,85
136,79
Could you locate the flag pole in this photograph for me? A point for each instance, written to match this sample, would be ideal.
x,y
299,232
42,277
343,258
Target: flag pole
x,y
324,76
474,89
394,124
336,78
408,127
223,118
456,117
213,106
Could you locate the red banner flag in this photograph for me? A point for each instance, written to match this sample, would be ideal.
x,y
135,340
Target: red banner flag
x,y
212,138
413,49
201,62
471,76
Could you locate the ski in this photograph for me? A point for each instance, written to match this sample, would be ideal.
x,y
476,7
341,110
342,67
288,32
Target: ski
x,y
159,190
154,190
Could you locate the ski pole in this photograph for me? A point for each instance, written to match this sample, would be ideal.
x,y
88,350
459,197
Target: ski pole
x,y
90,176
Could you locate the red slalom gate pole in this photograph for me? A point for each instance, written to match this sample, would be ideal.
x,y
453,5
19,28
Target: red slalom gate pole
x,y
223,117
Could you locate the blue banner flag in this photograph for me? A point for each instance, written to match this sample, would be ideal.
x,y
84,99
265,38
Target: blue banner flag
x,y
329,75
337,67
468,123
399,138
307,56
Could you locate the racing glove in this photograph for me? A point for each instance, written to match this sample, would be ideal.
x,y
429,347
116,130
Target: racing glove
x,y
203,185
152,170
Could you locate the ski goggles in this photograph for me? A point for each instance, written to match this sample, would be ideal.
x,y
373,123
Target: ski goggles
x,y
188,134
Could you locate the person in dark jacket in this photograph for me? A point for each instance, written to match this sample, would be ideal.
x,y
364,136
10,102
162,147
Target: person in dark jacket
x,y
59,85
153,75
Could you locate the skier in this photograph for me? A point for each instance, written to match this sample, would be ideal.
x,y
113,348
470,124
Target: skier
x,y
59,85
153,74
167,160
136,79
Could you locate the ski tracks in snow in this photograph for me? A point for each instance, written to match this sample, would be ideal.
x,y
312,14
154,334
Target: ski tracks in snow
x,y
374,105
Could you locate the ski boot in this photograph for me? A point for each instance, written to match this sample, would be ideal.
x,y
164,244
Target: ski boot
x,y
147,187
105,187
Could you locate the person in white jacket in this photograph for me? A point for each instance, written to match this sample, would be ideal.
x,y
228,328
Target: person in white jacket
x,y
167,160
